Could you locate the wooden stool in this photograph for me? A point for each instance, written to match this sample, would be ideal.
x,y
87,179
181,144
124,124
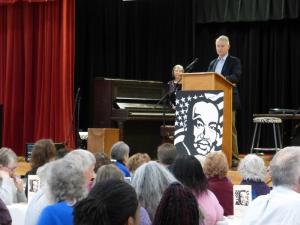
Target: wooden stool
x,y
275,122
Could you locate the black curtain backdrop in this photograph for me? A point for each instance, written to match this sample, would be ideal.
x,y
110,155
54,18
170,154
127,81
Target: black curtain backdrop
x,y
143,39
246,10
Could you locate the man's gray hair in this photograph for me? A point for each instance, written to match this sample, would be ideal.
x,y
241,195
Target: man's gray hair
x,y
119,150
66,181
7,156
166,153
223,38
84,158
150,181
252,167
285,167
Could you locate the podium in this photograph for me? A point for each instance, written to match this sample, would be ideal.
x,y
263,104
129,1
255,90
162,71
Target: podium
x,y
102,139
214,81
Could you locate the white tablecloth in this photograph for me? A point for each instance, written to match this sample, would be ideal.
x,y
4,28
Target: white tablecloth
x,y
229,220
17,213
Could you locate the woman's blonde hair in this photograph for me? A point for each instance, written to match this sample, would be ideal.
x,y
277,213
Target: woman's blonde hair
x,y
215,165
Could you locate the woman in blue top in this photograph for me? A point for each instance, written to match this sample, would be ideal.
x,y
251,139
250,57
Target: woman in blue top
x,y
67,185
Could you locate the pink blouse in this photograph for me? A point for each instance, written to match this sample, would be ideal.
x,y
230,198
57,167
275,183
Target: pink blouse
x,y
210,207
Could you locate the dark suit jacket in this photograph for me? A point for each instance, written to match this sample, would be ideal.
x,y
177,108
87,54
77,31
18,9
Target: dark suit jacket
x,y
232,71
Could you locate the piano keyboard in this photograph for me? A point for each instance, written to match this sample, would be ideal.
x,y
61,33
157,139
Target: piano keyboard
x,y
160,114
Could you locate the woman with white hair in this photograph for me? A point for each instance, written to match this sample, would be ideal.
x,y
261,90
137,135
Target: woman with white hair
x,y
253,171
174,85
11,186
66,183
150,181
86,160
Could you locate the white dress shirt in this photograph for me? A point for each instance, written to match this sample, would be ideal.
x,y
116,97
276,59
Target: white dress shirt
x,y
280,207
220,64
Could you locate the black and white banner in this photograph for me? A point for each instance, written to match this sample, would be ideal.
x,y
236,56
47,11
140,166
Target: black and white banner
x,y
199,122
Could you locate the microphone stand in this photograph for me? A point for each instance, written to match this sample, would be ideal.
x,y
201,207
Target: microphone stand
x,y
79,143
71,127
163,98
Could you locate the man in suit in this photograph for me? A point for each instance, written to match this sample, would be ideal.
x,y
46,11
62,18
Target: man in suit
x,y
229,67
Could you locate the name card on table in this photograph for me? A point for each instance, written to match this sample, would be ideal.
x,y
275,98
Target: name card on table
x,y
242,196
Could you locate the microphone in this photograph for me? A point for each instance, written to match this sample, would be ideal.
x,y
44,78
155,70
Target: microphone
x,y
191,65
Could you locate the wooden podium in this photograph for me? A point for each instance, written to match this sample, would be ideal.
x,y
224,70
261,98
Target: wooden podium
x,y
102,139
214,81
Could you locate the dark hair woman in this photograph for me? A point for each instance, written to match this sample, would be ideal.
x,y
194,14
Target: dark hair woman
x,y
178,206
188,170
109,202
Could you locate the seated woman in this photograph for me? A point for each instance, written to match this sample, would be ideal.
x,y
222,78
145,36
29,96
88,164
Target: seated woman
x,y
253,172
188,170
101,160
120,153
11,186
150,181
174,85
135,161
108,172
67,185
109,202
43,151
111,172
85,161
215,168
178,206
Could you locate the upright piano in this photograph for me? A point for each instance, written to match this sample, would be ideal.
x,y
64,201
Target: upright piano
x,y
135,107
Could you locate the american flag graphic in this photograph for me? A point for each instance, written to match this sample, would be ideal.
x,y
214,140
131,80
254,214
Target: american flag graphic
x,y
185,100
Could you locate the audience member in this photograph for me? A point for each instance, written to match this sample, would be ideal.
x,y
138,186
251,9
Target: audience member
x,y
66,186
215,168
43,151
134,162
178,206
86,161
40,200
166,154
281,206
108,172
150,181
120,153
188,170
111,172
109,202
146,156
11,186
5,218
61,152
101,160
253,171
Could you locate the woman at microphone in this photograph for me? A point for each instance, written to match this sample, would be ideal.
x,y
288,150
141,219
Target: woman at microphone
x,y
175,84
